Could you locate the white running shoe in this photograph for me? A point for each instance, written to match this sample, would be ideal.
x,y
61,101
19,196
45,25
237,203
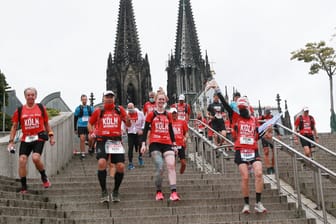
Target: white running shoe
x,y
246,209
259,208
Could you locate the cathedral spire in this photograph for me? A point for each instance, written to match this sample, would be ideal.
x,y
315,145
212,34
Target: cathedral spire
x,y
187,50
187,71
128,74
127,47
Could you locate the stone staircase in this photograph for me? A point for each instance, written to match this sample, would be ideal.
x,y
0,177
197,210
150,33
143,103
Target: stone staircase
x,y
74,198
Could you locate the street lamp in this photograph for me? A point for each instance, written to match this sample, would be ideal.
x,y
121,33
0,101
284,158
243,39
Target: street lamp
x,y
4,109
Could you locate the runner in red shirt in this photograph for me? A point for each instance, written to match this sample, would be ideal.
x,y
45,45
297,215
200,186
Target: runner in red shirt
x,y
305,125
34,123
108,136
180,128
183,109
246,148
149,105
161,145
200,127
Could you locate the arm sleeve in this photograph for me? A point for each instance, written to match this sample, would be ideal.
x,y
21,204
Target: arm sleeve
x,y
171,132
225,104
145,132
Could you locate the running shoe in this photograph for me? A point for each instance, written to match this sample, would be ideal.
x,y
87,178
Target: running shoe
x,y
141,162
174,196
82,156
246,209
130,166
23,191
115,196
259,208
91,152
104,197
159,196
46,183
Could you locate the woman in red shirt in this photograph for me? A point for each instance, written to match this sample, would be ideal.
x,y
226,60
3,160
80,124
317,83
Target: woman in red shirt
x,y
162,145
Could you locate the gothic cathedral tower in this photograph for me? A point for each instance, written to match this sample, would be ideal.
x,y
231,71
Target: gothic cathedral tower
x,y
128,74
187,71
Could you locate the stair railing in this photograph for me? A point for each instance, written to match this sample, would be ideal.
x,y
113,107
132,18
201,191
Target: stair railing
x,y
206,151
318,169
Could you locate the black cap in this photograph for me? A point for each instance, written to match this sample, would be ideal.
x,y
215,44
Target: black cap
x,y
236,94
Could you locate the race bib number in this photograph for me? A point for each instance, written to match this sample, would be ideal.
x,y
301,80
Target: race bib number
x,y
181,117
246,141
85,118
114,147
219,115
31,138
247,155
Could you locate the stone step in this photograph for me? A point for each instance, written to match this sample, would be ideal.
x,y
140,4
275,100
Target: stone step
x,y
133,196
139,212
199,218
37,212
26,204
46,220
67,205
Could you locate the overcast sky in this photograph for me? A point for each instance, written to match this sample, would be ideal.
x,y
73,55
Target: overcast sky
x,y
63,46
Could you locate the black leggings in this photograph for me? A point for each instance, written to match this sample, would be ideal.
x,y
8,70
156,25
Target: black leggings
x,y
133,142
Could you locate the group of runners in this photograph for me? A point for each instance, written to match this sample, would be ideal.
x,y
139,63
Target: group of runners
x,y
161,133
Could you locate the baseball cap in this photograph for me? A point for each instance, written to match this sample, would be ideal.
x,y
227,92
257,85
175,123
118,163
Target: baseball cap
x,y
181,97
305,109
173,110
242,102
108,92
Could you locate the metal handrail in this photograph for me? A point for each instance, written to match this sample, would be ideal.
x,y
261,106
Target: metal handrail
x,y
307,139
208,127
208,147
315,166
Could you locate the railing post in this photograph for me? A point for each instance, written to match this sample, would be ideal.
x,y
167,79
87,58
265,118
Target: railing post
x,y
317,190
320,184
297,184
276,164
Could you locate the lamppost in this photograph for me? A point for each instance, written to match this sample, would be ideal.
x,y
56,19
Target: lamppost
x,y
4,109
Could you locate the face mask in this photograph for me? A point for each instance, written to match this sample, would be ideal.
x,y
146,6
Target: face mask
x,y
151,100
245,113
109,106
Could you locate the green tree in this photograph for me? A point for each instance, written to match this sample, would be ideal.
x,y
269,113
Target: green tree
x,y
320,57
3,87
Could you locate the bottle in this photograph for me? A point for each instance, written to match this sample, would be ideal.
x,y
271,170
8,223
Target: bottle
x,y
12,149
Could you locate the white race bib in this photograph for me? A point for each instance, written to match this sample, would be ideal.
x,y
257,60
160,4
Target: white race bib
x,y
181,117
85,118
247,155
114,147
31,138
246,140
219,115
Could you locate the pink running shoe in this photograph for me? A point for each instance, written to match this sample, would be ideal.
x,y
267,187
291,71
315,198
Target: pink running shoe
x,y
46,183
23,191
159,196
174,196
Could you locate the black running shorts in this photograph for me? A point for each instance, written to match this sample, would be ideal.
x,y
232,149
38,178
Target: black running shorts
x,y
27,147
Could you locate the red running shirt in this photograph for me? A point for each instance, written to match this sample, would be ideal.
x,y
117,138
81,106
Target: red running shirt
x,y
180,129
109,125
247,135
148,107
306,127
159,131
32,121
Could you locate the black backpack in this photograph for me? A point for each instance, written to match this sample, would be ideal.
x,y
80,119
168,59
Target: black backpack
x,y
19,109
81,110
311,122
102,111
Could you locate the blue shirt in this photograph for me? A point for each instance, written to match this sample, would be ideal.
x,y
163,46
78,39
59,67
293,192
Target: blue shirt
x,y
83,121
